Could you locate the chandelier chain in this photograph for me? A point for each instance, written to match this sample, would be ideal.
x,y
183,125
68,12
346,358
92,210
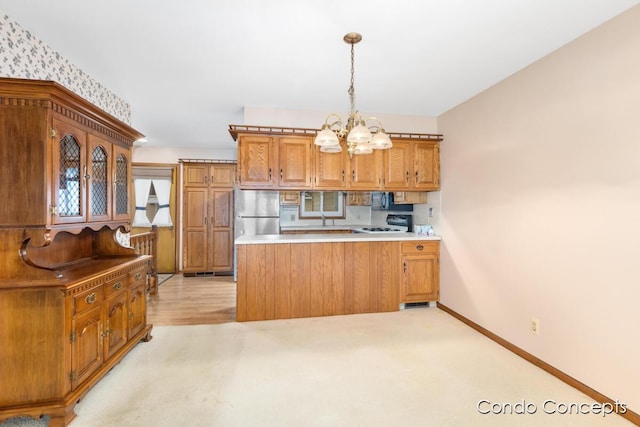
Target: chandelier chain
x,y
352,92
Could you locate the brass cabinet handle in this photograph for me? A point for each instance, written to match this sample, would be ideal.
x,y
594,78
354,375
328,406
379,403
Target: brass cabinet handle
x,y
138,275
280,173
269,174
407,177
86,176
353,175
117,285
405,266
343,175
131,315
419,247
416,177
90,299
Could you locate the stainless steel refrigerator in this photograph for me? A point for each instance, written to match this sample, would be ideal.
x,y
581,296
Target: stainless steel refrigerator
x,y
257,212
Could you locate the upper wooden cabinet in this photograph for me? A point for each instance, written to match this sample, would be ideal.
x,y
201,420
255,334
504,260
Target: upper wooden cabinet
x,y
412,165
426,165
330,171
209,175
257,162
295,161
286,158
64,163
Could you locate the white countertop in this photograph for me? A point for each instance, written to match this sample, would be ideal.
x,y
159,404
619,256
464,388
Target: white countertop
x,y
312,228
322,238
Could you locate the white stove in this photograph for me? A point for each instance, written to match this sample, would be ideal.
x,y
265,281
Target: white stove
x,y
398,223
379,230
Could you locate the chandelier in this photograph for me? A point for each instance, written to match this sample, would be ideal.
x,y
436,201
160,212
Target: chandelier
x,y
360,138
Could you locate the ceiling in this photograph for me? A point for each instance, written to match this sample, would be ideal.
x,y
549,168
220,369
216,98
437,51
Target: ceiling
x,y
189,68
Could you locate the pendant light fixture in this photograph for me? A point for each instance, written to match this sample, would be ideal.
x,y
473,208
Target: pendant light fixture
x,y
359,137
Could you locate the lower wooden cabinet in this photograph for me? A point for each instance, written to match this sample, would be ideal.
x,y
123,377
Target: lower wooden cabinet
x,y
291,280
420,271
58,341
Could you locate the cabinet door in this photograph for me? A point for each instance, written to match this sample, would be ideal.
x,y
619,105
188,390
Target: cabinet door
x,y
222,176
196,175
426,156
121,184
290,198
86,353
420,278
194,229
257,162
221,230
115,333
137,315
69,169
295,157
98,179
330,170
365,171
398,165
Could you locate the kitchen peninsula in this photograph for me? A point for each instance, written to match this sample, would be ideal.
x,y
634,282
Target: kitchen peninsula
x,y
308,275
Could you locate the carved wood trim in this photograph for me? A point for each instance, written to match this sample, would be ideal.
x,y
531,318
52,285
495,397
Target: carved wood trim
x,y
234,130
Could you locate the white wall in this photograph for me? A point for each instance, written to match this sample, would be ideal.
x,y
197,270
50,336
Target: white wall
x,y
541,208
151,154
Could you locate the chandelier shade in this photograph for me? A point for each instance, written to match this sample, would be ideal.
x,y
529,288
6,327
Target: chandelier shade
x,y
356,134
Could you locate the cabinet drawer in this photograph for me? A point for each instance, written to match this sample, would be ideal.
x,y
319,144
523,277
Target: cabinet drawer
x,y
138,277
88,299
420,247
116,285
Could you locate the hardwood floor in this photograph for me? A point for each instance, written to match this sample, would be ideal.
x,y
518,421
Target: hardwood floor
x,y
193,301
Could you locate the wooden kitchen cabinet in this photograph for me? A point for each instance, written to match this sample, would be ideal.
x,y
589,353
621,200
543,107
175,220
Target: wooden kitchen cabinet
x,y
330,170
409,197
291,198
65,311
365,171
359,198
286,158
426,165
420,262
412,165
257,162
295,159
208,218
209,175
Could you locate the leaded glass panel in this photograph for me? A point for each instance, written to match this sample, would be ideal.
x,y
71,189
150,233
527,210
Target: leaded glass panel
x,y
69,177
99,181
122,198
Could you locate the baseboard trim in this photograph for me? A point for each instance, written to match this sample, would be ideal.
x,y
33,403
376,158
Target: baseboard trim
x,y
630,415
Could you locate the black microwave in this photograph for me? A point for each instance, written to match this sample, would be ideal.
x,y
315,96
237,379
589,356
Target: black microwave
x,y
383,201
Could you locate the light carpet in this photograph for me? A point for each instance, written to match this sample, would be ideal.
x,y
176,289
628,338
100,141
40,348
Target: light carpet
x,y
416,367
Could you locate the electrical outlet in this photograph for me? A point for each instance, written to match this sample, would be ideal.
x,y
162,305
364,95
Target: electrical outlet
x,y
430,212
535,326
292,217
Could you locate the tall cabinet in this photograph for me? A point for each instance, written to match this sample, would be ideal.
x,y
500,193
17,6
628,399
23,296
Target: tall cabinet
x,y
72,299
208,217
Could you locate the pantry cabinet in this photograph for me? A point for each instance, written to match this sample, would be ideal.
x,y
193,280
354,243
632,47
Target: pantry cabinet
x,y
208,217
66,287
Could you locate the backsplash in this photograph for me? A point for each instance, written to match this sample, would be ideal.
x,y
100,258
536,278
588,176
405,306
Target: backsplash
x,y
24,56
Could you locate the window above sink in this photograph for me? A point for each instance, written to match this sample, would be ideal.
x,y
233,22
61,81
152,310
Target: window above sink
x,y
322,204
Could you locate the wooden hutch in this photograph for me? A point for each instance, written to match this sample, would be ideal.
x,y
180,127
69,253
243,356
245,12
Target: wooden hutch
x,y
72,299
